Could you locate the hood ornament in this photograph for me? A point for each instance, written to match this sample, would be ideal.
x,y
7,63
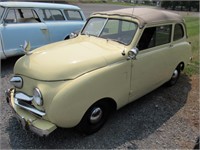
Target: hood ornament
x,y
27,47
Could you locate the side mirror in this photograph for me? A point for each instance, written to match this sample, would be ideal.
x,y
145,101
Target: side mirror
x,y
73,35
133,53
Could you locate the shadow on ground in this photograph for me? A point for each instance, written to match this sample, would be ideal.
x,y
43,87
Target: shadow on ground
x,y
7,65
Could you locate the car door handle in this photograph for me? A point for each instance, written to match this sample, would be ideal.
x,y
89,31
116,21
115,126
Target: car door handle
x,y
171,45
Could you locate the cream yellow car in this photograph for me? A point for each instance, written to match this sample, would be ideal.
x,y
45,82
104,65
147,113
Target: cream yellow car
x,y
117,57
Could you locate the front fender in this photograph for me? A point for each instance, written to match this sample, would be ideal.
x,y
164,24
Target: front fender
x,y
70,104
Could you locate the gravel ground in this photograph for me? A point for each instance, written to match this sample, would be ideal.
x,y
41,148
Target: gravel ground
x,y
165,118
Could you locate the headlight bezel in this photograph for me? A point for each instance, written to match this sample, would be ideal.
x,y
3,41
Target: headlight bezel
x,y
37,97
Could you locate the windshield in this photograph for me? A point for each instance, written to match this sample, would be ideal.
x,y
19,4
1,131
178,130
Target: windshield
x,y
121,31
1,11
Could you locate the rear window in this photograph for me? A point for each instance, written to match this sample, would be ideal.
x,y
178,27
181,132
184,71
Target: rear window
x,y
51,15
73,15
178,32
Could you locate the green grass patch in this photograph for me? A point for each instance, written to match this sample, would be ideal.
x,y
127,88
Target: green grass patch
x,y
192,24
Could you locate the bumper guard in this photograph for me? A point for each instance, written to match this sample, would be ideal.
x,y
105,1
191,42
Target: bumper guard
x,y
27,120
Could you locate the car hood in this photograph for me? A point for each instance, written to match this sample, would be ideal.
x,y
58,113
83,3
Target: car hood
x,y
68,59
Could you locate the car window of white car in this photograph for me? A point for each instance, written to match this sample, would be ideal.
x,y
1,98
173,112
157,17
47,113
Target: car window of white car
x,y
73,15
51,15
18,15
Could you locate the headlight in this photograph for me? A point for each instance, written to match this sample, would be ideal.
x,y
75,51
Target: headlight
x,y
37,97
16,81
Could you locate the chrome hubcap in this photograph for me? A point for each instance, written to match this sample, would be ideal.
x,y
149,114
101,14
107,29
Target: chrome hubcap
x,y
96,115
175,74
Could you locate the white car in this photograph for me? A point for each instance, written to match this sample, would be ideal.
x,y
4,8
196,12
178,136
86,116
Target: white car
x,y
39,23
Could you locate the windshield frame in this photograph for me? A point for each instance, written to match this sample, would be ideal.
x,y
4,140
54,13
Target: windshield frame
x,y
1,14
107,19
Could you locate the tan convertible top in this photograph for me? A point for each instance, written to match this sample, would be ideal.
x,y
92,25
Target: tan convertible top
x,y
145,15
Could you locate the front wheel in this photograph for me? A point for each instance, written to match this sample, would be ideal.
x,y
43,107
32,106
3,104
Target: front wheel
x,y
94,118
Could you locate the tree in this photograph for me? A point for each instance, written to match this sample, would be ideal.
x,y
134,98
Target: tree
x,y
182,5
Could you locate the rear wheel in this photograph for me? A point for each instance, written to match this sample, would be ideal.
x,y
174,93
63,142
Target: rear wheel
x,y
175,76
94,118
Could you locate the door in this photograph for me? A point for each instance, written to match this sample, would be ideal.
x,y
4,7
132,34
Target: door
x,y
151,67
59,27
20,25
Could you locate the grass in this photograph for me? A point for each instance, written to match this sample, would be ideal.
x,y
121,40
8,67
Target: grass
x,y
192,24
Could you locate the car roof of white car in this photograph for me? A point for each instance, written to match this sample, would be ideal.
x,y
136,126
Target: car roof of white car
x,y
38,5
145,15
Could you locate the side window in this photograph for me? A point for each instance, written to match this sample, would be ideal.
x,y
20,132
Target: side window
x,y
21,16
51,15
155,36
163,35
178,32
11,16
45,14
73,15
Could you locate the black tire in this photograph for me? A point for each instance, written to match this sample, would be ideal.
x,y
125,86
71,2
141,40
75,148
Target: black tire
x,y
175,77
67,38
94,118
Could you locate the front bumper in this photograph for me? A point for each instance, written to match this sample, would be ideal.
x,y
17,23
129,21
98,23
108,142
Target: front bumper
x,y
28,120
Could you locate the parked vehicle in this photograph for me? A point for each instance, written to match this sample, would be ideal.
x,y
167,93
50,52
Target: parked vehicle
x,y
39,23
118,57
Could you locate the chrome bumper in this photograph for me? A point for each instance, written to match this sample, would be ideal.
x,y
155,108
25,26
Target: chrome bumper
x,y
28,120
21,99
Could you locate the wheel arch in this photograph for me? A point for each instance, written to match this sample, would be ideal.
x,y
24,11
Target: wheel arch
x,y
86,124
111,102
67,37
181,65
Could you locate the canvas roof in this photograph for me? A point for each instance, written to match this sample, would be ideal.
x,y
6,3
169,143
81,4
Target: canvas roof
x,y
144,15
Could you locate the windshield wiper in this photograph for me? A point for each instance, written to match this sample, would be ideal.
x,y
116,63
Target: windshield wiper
x,y
89,34
85,34
116,40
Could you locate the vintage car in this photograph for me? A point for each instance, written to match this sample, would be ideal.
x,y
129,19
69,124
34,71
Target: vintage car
x,y
118,56
39,23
